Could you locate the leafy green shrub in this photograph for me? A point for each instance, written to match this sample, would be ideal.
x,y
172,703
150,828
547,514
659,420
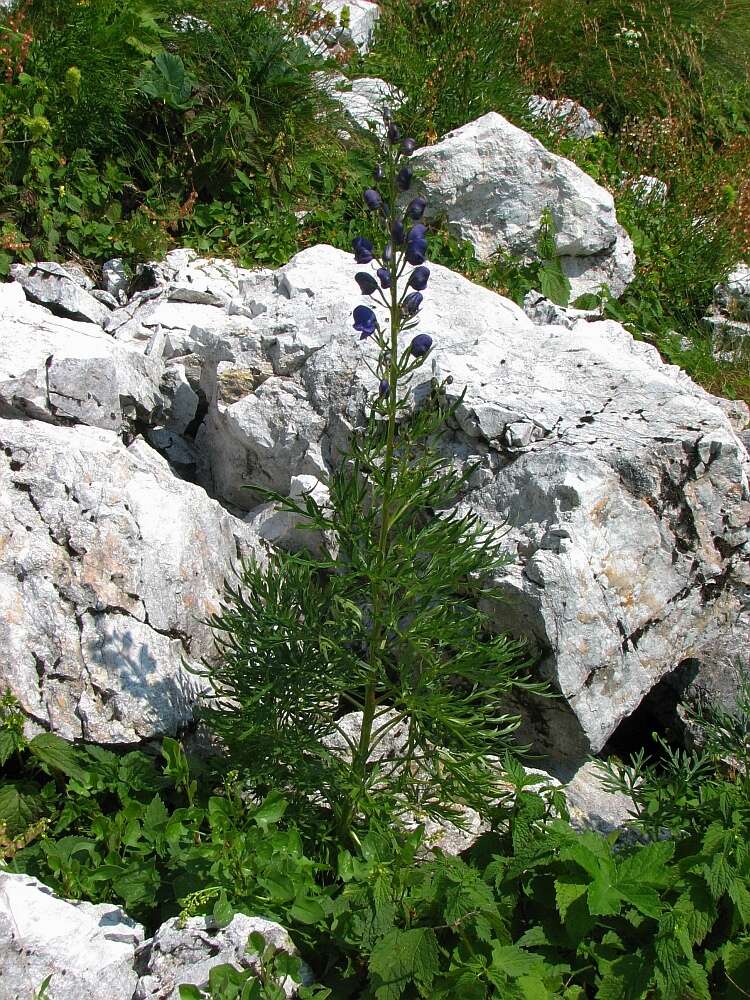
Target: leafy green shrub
x,y
124,134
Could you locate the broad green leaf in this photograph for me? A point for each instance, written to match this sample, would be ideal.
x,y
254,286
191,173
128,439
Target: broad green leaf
x,y
223,911
554,284
306,910
156,816
514,961
58,755
403,957
566,893
19,808
191,993
271,809
643,897
648,864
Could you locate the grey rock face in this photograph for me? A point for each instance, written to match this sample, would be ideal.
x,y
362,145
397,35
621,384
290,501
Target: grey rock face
x,y
362,99
60,290
565,116
115,279
65,371
186,954
108,564
88,950
492,181
622,482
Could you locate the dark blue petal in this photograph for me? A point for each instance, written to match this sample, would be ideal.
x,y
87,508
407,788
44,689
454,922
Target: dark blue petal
x,y
419,277
372,198
403,178
420,345
365,321
385,387
385,277
412,302
408,146
397,233
367,283
415,208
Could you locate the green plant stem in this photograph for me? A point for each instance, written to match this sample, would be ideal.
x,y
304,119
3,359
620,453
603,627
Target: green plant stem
x,y
360,761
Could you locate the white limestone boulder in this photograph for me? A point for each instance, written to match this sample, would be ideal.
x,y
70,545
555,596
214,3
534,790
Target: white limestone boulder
x,y
87,950
362,99
565,116
66,371
492,181
109,565
64,291
182,954
622,483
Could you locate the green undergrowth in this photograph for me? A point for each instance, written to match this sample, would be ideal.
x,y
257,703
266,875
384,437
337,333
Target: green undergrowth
x,y
535,909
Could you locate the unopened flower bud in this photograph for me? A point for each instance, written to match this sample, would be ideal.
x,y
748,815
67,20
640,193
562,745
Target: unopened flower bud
x,y
420,345
367,283
372,198
408,146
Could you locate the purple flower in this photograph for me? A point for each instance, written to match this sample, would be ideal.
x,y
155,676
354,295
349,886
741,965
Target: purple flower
x,y
394,133
373,199
365,321
379,172
384,388
397,232
415,208
412,302
367,284
363,252
420,345
417,232
403,178
408,146
416,251
385,277
419,277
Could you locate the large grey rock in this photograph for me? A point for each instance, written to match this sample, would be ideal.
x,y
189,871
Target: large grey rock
x,y
65,371
87,950
186,953
565,116
60,289
622,483
492,182
108,567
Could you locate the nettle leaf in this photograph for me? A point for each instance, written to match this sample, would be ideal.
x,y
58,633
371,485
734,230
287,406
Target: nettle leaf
x,y
515,962
19,807
156,816
626,978
566,893
57,754
306,910
648,864
643,897
603,897
8,744
402,957
554,284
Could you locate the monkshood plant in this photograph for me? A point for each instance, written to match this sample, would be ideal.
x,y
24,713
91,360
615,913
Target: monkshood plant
x,y
386,624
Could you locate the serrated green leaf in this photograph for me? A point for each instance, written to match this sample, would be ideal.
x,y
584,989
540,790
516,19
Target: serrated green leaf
x,y
19,807
514,961
271,809
402,957
58,755
156,816
566,893
643,897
